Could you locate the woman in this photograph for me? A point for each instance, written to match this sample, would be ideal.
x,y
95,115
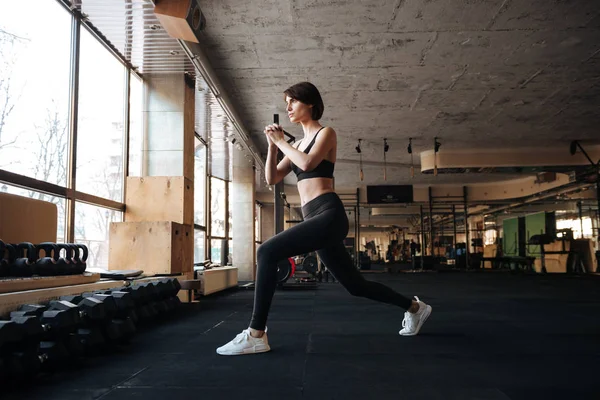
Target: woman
x,y
324,227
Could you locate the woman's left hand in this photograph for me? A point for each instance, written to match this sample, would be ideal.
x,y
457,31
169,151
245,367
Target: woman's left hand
x,y
274,132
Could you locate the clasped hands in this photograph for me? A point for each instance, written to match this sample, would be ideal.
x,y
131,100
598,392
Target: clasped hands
x,y
274,133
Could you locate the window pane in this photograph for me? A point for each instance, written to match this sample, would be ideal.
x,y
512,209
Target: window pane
x,y
34,89
198,245
229,219
217,204
100,121
92,225
199,183
229,252
257,223
59,201
215,250
136,126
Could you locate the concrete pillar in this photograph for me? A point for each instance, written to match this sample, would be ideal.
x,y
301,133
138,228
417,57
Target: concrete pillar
x,y
163,195
242,212
268,222
168,126
279,208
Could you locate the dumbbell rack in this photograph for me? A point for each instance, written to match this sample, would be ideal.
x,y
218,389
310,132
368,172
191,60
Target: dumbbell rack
x,y
42,330
8,285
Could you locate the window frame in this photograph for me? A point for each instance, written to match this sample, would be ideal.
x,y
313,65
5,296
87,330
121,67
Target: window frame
x,y
69,192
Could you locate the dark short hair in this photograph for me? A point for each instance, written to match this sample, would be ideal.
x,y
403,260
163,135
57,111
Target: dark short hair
x,y
307,93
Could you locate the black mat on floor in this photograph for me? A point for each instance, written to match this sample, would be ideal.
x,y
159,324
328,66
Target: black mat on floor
x,y
490,336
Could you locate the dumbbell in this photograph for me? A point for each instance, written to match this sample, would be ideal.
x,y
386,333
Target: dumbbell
x,y
141,298
173,286
9,333
56,323
125,303
13,366
96,313
121,326
32,353
48,337
159,291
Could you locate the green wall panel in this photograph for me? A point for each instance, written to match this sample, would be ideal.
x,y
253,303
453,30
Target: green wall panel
x,y
510,239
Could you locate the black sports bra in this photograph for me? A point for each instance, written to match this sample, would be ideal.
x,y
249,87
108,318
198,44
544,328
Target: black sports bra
x,y
323,170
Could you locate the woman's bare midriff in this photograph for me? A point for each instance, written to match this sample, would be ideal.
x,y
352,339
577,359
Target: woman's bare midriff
x,y
314,187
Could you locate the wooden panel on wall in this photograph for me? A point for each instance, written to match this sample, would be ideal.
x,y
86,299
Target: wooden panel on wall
x,y
172,16
160,247
160,198
40,282
23,219
189,142
217,279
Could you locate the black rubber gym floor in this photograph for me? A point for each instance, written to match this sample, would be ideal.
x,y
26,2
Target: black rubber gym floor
x,y
491,336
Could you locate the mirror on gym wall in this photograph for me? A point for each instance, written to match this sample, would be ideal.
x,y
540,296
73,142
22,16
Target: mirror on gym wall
x,y
34,90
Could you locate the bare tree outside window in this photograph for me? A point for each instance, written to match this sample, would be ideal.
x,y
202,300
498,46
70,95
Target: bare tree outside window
x,y
8,96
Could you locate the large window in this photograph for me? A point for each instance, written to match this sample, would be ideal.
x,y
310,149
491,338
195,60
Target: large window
x,y
92,229
101,121
136,126
34,90
42,97
199,182
217,207
575,224
220,225
199,200
199,244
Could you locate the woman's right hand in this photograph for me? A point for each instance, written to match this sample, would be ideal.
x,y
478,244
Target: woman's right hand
x,y
272,146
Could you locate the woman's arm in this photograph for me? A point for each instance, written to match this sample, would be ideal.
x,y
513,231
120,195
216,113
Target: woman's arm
x,y
274,173
325,141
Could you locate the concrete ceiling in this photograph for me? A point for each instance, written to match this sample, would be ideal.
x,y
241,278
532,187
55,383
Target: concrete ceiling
x,y
476,74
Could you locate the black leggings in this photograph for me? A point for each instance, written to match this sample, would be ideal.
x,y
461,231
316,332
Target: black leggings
x,y
324,228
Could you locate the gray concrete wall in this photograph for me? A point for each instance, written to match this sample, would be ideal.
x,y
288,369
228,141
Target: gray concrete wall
x,y
242,211
164,111
268,222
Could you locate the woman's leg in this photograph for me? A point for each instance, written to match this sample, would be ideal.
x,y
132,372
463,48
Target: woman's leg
x,y
305,237
338,261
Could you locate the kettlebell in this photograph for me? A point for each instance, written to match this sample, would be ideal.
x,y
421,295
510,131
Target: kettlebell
x,y
67,266
50,264
81,259
24,263
5,262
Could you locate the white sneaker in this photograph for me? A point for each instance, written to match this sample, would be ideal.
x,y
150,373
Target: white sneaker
x,y
412,323
244,343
